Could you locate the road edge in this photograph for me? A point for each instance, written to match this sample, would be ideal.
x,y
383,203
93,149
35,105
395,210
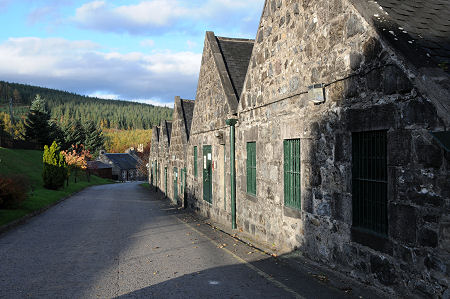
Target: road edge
x,y
15,223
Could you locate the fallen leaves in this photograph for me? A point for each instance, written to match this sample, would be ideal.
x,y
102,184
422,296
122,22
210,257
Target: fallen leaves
x,y
320,277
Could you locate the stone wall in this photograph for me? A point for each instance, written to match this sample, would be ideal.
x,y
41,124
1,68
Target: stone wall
x,y
208,128
153,157
178,151
163,157
300,43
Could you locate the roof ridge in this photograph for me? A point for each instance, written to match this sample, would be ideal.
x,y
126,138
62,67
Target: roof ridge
x,y
235,39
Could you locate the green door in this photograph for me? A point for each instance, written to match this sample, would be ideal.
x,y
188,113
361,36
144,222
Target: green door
x,y
207,173
175,183
165,181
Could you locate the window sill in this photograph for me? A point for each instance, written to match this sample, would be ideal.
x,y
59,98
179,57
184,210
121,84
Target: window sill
x,y
251,197
207,202
373,240
292,212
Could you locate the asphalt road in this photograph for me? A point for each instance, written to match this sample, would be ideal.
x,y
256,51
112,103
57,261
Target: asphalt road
x,y
122,241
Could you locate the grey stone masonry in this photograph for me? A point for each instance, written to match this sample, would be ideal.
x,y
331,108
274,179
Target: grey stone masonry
x,y
153,157
346,83
181,122
368,86
216,100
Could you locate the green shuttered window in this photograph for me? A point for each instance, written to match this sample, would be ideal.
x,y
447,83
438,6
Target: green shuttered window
x,y
251,168
292,173
195,161
369,181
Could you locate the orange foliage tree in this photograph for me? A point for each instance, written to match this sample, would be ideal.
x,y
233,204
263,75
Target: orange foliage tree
x,y
77,158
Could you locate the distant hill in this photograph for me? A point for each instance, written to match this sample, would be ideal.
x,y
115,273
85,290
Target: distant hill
x,y
66,105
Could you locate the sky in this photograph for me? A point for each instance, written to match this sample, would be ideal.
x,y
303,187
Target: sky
x,y
137,50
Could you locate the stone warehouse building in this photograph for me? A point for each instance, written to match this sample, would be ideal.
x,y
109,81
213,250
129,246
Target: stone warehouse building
x,y
222,74
181,126
334,140
168,154
159,156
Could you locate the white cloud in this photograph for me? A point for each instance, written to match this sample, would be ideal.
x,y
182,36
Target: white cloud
x,y
155,102
81,67
146,14
147,43
155,15
191,44
103,95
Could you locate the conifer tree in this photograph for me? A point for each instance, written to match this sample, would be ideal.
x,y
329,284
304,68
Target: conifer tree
x,y
94,138
37,128
74,134
56,133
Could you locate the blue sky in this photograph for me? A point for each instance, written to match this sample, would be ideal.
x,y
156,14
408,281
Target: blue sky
x,y
147,51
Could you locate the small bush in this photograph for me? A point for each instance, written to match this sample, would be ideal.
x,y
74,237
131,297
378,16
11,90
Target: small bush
x,y
13,190
55,167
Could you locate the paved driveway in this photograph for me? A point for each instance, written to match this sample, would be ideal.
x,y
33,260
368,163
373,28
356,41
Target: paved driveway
x,y
120,241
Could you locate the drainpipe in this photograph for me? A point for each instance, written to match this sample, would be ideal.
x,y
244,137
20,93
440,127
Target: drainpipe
x,y
232,122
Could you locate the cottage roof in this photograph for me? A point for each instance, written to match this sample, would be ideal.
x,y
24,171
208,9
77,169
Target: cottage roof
x,y
97,165
188,111
123,161
419,29
236,54
169,129
157,132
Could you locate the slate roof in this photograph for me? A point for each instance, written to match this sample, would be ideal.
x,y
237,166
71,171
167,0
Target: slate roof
x,y
188,112
123,161
419,29
169,129
97,165
157,132
236,53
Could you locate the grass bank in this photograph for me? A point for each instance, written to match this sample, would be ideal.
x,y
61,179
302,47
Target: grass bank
x,y
29,163
146,185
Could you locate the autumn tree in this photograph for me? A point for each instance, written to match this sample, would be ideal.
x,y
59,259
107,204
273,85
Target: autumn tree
x,y
76,158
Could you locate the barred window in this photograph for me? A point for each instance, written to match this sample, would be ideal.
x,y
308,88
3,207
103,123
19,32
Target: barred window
x,y
195,161
251,168
292,173
369,181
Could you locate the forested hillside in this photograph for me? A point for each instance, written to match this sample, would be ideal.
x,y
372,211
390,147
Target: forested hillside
x,y
64,106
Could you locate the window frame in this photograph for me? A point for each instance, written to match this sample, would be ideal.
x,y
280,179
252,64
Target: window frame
x,y
292,173
370,182
251,168
195,161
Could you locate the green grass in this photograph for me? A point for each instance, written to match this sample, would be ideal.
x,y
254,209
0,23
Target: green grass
x,y
29,163
145,185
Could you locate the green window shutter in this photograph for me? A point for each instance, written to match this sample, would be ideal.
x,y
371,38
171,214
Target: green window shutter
x,y
195,161
369,181
251,168
292,173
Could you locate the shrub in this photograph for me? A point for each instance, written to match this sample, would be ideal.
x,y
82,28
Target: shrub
x,y
13,190
55,167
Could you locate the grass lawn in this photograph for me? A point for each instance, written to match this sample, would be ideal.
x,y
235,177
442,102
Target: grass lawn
x,y
29,163
145,185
